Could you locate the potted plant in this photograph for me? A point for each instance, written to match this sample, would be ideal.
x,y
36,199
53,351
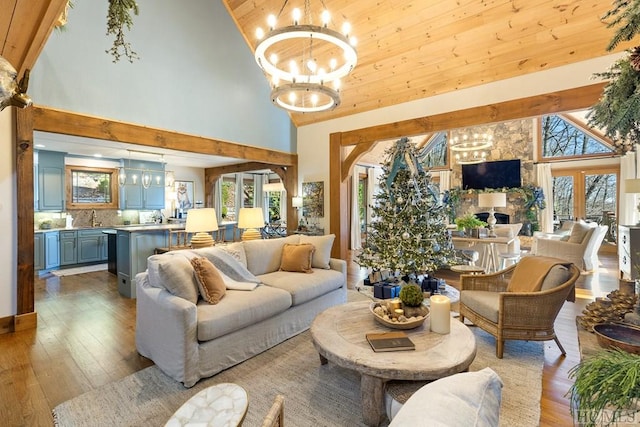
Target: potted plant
x,y
606,388
469,222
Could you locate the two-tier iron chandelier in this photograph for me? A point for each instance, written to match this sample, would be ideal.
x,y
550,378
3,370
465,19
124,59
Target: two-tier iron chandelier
x,y
305,62
470,150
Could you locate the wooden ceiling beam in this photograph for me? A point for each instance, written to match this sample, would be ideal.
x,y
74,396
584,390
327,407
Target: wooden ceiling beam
x,y
555,102
68,123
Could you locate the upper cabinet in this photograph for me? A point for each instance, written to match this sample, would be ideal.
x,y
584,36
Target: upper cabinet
x,y
50,188
144,186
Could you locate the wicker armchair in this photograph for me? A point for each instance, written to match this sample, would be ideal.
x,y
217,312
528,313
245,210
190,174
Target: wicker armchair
x,y
275,417
488,301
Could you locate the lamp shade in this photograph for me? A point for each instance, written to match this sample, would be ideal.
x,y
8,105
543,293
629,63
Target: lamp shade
x,y
632,185
492,200
201,220
249,218
273,186
296,202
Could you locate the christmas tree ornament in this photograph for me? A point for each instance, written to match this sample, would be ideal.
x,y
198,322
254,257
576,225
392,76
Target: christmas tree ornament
x,y
406,236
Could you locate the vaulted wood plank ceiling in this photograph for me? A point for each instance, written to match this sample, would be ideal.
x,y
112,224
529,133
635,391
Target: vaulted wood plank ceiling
x,y
408,49
412,49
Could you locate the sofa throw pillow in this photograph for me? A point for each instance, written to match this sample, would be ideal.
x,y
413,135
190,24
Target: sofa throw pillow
x,y
323,245
297,258
173,272
465,399
578,232
210,282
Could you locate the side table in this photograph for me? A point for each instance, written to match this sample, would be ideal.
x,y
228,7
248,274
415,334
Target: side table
x,y
221,405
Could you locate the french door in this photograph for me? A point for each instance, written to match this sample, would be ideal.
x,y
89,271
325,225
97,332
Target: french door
x,y
587,193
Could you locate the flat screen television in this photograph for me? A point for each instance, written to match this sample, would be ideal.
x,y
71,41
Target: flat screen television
x,y
498,174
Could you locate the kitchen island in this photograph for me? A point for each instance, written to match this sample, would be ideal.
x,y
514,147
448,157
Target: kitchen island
x,y
135,244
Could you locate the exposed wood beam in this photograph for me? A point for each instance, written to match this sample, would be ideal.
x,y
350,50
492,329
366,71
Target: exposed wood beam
x,y
25,27
554,102
69,123
24,207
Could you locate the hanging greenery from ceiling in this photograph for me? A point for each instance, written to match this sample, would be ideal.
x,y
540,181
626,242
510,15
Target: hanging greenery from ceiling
x,y
618,110
118,17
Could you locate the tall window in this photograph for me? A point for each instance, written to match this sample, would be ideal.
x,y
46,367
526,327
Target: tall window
x,y
229,211
248,192
274,205
434,152
563,138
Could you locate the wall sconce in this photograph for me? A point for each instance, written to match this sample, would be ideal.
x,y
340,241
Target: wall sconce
x,y
296,202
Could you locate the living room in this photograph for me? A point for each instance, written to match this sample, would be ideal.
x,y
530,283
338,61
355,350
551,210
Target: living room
x,y
273,127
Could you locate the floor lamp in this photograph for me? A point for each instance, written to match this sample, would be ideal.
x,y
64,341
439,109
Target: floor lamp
x,y
201,222
250,220
492,200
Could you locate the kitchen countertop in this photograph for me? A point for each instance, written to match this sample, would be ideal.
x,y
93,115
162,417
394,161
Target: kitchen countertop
x,y
132,227
150,227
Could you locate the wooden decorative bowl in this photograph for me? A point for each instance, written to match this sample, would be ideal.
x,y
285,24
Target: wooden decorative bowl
x,y
618,335
424,311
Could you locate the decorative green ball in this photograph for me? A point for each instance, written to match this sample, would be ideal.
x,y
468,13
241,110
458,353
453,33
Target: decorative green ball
x,y
411,295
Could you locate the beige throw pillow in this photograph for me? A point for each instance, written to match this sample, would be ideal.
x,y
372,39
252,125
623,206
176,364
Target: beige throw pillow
x,y
297,258
323,245
210,282
578,232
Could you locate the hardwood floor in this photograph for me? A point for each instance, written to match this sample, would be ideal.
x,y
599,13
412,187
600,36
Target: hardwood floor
x,y
86,338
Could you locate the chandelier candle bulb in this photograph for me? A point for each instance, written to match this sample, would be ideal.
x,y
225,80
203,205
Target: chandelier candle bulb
x,y
440,316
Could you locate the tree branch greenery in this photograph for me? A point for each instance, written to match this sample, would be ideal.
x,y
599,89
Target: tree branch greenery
x,y
617,111
626,15
608,381
119,16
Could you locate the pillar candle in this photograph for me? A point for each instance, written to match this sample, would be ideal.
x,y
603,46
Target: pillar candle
x,y
439,314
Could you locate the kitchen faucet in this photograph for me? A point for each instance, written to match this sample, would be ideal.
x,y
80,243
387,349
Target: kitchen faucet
x,y
94,221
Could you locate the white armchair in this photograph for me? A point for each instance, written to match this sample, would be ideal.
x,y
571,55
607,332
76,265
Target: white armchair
x,y
580,246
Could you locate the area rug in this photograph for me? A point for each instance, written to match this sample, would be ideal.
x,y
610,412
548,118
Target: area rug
x,y
79,270
315,395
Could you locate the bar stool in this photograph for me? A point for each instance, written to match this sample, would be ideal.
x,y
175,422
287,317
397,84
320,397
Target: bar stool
x,y
512,258
469,255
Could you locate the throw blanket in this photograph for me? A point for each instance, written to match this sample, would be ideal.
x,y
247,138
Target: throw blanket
x,y
228,265
530,272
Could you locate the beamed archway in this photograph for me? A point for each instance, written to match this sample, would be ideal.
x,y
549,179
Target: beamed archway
x,y
68,123
364,139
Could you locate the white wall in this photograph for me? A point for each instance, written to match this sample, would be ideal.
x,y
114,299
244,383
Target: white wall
x,y
8,245
313,140
196,74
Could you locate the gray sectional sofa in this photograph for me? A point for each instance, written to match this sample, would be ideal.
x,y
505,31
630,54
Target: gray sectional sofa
x,y
190,339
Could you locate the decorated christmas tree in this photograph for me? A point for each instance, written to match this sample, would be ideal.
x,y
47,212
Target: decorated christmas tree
x,y
408,232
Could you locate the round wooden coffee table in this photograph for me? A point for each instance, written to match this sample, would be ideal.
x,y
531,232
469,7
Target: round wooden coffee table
x,y
339,336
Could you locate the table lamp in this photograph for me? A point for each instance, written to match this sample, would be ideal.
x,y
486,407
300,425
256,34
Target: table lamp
x,y
250,219
491,201
201,222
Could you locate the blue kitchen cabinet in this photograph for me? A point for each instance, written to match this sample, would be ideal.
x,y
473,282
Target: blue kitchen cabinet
x,y
134,246
92,246
38,251
50,188
51,250
68,245
133,195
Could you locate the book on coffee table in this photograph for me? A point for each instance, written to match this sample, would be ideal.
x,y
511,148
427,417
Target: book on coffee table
x,y
390,341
